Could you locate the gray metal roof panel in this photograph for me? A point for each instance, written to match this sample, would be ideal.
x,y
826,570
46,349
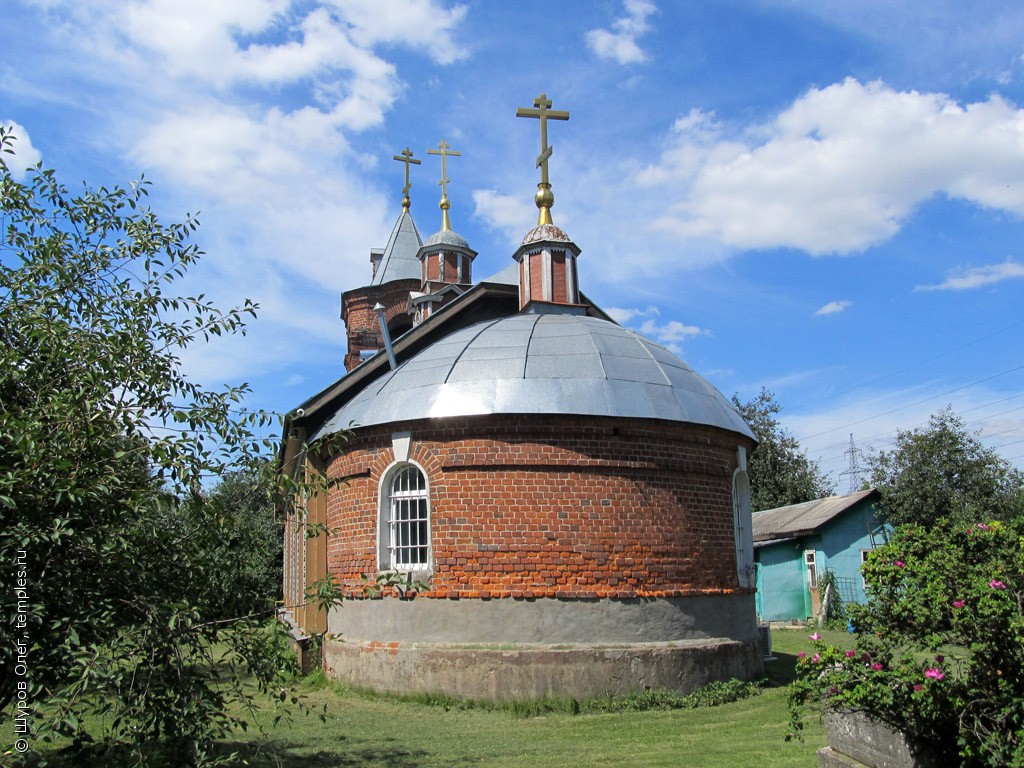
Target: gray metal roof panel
x,y
562,331
540,364
508,276
615,344
400,261
578,344
634,369
564,366
486,370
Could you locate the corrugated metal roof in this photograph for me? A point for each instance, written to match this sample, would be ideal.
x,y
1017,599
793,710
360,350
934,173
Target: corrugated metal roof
x,y
801,519
545,363
400,261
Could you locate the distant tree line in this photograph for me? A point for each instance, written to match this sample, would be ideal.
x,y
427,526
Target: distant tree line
x,y
940,471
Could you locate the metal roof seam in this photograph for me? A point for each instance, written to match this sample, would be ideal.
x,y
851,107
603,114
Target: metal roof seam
x,y
465,347
647,344
529,344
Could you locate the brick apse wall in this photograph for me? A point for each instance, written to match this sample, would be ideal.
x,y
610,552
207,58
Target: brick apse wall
x,y
551,507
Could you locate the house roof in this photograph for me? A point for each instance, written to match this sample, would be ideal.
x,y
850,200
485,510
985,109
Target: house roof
x,y
785,523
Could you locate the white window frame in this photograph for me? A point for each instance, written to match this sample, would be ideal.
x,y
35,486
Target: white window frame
x,y
412,503
811,561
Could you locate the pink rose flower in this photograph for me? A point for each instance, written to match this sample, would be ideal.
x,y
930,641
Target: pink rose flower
x,y
817,637
876,666
959,603
997,584
934,674
850,654
900,564
918,686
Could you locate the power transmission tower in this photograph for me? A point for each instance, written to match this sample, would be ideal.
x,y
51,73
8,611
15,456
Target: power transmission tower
x,y
854,471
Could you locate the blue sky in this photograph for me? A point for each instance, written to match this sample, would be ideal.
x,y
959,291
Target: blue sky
x,y
824,199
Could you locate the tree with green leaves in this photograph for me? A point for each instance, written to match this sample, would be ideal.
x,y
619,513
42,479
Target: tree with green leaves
x,y
942,471
114,561
249,542
780,472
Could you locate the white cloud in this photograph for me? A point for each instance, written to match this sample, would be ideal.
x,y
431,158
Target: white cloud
x,y
246,109
416,23
24,154
834,306
623,315
840,170
510,214
620,43
671,332
977,277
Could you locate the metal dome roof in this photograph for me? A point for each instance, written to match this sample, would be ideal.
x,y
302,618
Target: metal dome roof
x,y
540,364
446,237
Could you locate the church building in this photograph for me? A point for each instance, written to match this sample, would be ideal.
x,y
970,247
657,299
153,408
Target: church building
x,y
555,505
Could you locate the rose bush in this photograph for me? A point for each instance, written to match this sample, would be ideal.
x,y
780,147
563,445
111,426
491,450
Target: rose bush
x,y
940,645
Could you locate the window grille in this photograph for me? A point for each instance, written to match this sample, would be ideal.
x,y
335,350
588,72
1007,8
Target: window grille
x,y
408,520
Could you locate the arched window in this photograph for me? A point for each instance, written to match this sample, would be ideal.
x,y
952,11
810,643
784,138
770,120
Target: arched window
x,y
405,520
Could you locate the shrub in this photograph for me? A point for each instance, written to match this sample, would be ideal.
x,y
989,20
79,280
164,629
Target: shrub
x,y
940,646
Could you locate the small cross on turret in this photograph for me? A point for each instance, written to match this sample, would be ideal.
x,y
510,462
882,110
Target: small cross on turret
x,y
544,198
407,158
444,150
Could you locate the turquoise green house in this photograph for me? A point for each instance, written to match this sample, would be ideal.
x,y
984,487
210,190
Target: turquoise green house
x,y
795,545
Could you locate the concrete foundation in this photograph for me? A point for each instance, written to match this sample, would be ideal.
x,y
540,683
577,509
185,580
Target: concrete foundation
x,y
547,620
506,673
526,649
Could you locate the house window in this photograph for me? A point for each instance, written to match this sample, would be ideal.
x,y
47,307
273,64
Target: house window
x,y
406,518
812,571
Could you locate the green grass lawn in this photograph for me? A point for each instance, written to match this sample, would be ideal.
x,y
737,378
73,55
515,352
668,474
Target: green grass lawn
x,y
367,731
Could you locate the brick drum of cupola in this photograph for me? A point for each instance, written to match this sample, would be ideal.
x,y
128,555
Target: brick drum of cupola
x,y
361,324
547,267
447,267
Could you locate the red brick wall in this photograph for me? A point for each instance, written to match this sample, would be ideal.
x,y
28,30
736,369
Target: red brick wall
x,y
559,294
536,276
361,326
553,507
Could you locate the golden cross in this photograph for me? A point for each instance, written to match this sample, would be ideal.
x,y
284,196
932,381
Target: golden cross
x,y
444,151
543,112
406,157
